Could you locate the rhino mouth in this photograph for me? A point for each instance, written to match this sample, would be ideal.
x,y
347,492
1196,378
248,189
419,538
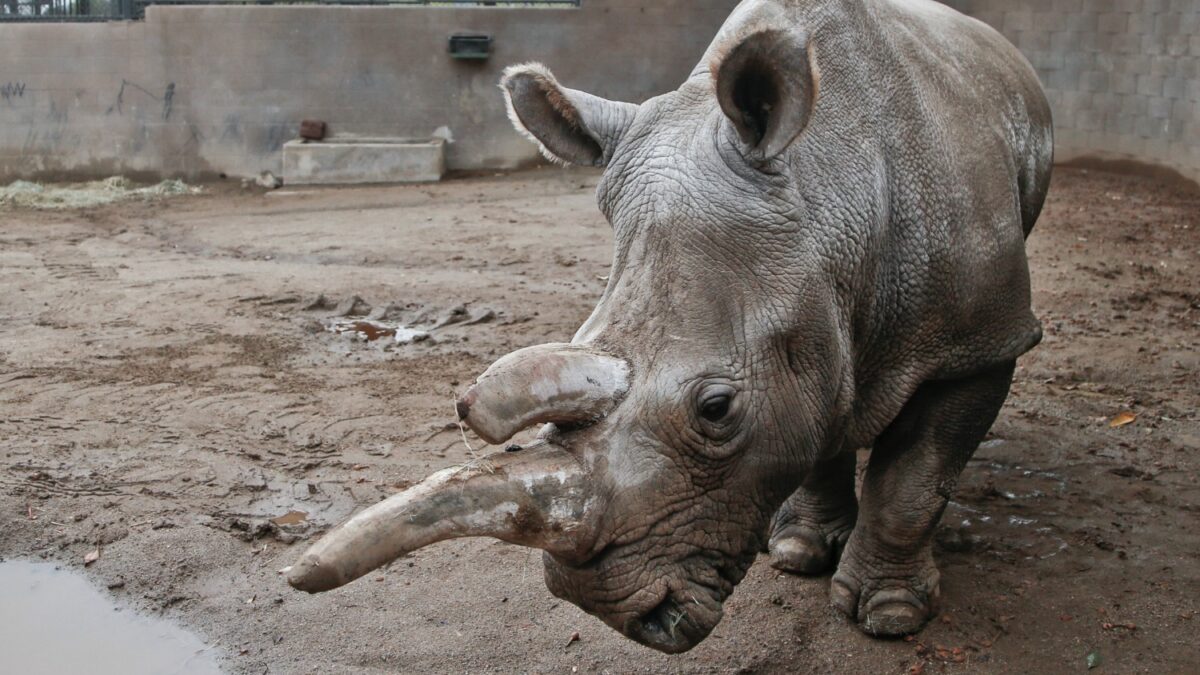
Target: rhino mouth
x,y
684,606
672,611
692,605
673,626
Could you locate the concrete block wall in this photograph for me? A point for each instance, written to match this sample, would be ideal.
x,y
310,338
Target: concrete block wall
x,y
1123,76
201,90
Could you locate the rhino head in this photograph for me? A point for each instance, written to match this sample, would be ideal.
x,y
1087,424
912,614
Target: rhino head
x,y
693,400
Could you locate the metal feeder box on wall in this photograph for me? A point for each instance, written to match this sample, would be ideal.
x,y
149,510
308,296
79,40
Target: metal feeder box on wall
x,y
476,46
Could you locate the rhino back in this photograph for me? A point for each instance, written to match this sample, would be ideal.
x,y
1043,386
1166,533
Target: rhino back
x,y
927,160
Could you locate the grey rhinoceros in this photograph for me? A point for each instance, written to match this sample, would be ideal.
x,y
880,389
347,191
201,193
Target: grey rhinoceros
x,y
819,247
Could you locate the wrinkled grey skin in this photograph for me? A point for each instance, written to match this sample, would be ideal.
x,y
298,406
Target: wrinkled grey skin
x,y
867,286
819,247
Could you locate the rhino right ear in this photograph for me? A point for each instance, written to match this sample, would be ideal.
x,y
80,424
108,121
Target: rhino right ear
x,y
571,127
766,85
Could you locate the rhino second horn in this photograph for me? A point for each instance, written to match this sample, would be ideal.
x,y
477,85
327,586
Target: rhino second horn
x,y
559,383
538,498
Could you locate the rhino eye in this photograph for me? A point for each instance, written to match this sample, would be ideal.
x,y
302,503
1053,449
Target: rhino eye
x,y
716,407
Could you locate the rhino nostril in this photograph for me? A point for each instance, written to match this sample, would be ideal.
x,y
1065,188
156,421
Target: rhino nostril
x,y
463,408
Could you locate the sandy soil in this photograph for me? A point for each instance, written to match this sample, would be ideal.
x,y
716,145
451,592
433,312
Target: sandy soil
x,y
167,386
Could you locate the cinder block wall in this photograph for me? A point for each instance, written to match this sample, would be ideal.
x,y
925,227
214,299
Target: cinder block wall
x,y
200,90
1123,76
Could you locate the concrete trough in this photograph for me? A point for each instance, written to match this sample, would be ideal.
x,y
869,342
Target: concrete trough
x,y
347,160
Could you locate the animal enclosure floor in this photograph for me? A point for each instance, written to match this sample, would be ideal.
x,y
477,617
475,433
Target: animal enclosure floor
x,y
175,398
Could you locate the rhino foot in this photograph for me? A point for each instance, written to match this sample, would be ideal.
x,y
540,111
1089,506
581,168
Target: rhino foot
x,y
886,603
810,530
809,549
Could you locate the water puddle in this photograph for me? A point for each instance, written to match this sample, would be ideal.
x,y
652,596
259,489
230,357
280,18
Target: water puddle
x,y
1035,483
367,330
1005,508
54,621
966,527
983,518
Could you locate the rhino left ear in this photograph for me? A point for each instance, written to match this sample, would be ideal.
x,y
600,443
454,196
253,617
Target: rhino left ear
x,y
571,127
766,85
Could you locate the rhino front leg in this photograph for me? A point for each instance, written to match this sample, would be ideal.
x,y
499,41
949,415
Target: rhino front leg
x,y
811,528
887,580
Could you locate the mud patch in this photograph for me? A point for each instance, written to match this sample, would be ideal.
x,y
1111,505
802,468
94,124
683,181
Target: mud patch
x,y
358,328
283,510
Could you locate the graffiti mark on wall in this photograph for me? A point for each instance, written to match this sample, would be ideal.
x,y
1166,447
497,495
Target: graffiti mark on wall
x,y
128,88
168,97
58,114
12,90
53,134
231,129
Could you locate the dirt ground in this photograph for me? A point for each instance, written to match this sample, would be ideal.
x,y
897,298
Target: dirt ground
x,y
168,386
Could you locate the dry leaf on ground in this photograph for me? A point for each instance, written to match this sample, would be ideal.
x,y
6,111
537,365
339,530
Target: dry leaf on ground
x,y
1121,419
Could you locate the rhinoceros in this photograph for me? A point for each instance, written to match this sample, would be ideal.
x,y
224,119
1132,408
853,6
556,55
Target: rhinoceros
x,y
819,247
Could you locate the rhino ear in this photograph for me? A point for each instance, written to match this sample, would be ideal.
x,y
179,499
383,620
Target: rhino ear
x,y
570,126
766,85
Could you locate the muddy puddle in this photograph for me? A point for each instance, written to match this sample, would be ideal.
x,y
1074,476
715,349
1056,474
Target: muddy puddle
x,y
54,621
367,330
1005,510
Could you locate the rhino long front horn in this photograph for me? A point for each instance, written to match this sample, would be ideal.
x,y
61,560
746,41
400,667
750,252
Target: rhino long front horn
x,y
538,497
557,383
